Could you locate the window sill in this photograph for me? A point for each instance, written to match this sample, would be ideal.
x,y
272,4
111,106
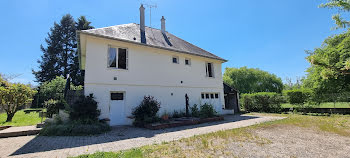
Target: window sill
x,y
111,68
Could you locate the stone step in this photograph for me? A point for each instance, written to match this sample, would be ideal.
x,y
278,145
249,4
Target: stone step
x,y
19,131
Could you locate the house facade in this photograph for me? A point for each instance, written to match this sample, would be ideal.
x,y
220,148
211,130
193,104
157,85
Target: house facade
x,y
124,63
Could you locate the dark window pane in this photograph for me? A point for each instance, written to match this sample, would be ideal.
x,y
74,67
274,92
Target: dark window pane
x,y
202,96
187,62
112,57
212,96
117,96
207,96
210,71
174,60
121,58
216,95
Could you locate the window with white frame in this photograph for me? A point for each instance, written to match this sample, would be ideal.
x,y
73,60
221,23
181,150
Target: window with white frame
x,y
175,59
209,67
187,61
117,58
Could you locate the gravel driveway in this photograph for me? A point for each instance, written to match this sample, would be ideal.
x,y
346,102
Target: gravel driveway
x,y
292,141
120,138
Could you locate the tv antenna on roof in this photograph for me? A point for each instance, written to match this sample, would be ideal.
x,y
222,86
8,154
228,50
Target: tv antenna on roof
x,y
150,12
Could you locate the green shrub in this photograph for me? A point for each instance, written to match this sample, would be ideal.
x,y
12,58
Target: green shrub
x,y
85,110
146,112
262,102
206,111
178,114
298,96
51,107
74,128
194,111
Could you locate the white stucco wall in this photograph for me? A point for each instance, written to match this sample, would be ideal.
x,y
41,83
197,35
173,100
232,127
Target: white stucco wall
x,y
150,72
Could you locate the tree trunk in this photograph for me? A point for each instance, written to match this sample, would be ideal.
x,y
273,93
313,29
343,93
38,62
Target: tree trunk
x,y
9,117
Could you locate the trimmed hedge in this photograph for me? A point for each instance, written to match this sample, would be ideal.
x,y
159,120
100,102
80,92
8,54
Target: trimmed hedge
x,y
75,128
262,102
298,96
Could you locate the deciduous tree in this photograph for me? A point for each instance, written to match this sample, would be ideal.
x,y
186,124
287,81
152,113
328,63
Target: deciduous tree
x,y
249,80
341,6
13,97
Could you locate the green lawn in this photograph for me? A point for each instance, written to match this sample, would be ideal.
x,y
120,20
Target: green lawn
x,y
21,119
322,105
205,145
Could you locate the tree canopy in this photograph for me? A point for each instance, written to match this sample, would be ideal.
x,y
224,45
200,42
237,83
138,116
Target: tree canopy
x,y
60,55
3,82
250,80
341,6
13,96
330,65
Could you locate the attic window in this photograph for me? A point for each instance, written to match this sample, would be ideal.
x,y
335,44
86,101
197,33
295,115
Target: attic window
x,y
187,61
175,59
117,58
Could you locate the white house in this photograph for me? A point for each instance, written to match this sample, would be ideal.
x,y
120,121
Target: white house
x,y
124,63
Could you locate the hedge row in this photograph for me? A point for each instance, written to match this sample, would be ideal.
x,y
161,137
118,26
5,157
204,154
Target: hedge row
x,y
262,102
298,96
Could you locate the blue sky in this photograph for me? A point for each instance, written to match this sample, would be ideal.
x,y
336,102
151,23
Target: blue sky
x,y
268,34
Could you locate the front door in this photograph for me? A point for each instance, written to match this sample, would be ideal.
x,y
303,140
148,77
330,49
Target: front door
x,y
116,112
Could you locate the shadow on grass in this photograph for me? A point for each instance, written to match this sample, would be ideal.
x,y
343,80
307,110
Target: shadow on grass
x,y
45,143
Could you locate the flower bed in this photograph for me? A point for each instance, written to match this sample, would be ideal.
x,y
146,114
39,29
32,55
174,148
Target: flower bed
x,y
183,122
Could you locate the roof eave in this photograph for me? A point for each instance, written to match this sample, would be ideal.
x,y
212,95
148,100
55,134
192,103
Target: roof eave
x,y
138,43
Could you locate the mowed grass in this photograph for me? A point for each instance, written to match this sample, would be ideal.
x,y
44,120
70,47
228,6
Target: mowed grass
x,y
322,105
21,119
209,145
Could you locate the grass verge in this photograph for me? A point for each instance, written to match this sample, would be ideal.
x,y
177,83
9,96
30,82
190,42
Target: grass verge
x,y
209,145
21,119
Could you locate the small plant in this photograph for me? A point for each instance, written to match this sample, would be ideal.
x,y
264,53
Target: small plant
x,y
194,111
146,112
165,116
85,110
207,110
178,114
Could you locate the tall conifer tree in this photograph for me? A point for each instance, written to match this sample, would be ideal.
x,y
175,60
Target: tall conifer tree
x,y
60,56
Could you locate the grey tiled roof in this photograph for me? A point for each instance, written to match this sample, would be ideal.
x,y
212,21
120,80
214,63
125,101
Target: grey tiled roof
x,y
154,37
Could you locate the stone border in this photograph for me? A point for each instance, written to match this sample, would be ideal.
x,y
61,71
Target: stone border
x,y
183,123
20,133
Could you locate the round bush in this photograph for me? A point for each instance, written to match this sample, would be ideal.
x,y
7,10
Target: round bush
x,y
146,112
